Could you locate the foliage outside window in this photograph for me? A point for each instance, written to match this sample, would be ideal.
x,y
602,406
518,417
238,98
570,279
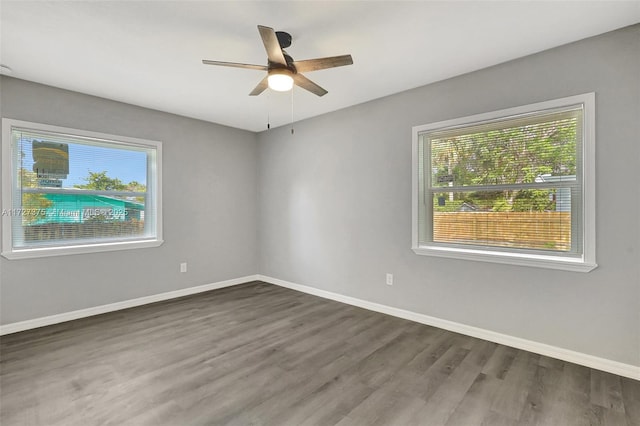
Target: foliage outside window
x,y
511,186
68,191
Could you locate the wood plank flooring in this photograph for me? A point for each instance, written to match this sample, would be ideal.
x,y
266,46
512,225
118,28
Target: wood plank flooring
x,y
258,354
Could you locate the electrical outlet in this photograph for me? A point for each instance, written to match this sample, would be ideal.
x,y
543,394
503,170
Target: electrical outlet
x,y
389,279
183,267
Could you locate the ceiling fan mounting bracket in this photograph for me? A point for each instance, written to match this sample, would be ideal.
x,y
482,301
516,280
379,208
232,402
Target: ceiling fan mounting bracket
x,y
284,39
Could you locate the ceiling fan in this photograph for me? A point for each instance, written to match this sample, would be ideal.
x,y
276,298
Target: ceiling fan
x,y
282,71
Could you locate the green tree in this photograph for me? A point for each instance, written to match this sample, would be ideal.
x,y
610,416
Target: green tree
x,y
135,186
100,181
532,200
509,156
32,202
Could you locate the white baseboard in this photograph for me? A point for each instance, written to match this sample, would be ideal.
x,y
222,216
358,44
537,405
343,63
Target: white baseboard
x,y
615,367
96,310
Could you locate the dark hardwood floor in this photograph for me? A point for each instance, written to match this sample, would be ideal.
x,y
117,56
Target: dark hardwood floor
x,y
258,354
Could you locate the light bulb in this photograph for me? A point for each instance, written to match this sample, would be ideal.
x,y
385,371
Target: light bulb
x,y
280,80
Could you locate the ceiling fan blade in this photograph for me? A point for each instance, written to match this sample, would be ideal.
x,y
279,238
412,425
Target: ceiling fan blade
x,y
309,85
235,65
261,87
271,45
322,63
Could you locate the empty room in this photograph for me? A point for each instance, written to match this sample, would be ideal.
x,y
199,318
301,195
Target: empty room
x,y
320,213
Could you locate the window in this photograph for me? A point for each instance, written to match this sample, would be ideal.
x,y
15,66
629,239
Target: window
x,y
512,186
67,191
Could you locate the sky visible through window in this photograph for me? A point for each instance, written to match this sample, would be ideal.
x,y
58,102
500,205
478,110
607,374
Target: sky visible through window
x,y
124,164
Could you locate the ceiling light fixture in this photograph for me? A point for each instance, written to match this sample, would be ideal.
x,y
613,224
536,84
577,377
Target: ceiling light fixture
x,y
280,79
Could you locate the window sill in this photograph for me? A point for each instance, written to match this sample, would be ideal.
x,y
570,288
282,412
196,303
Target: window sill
x,y
531,260
79,249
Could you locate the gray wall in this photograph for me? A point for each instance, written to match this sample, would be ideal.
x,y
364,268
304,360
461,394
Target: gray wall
x,y
209,199
330,207
335,204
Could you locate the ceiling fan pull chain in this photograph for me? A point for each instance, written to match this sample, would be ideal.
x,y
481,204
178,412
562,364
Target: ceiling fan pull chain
x,y
292,111
268,112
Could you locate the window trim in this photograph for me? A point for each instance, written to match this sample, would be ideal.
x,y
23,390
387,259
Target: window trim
x,y
8,186
586,261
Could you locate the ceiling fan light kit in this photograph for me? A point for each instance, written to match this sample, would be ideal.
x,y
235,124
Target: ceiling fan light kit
x,y
280,80
282,71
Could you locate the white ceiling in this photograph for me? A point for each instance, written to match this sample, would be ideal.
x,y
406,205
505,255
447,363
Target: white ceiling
x,y
149,53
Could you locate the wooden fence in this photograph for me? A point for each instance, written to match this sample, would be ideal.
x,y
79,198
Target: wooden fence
x,y
536,230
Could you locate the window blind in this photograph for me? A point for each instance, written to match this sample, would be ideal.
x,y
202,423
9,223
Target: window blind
x,y
74,190
509,183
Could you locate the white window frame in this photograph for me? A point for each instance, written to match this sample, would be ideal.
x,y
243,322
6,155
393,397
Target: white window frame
x,y
584,261
154,187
